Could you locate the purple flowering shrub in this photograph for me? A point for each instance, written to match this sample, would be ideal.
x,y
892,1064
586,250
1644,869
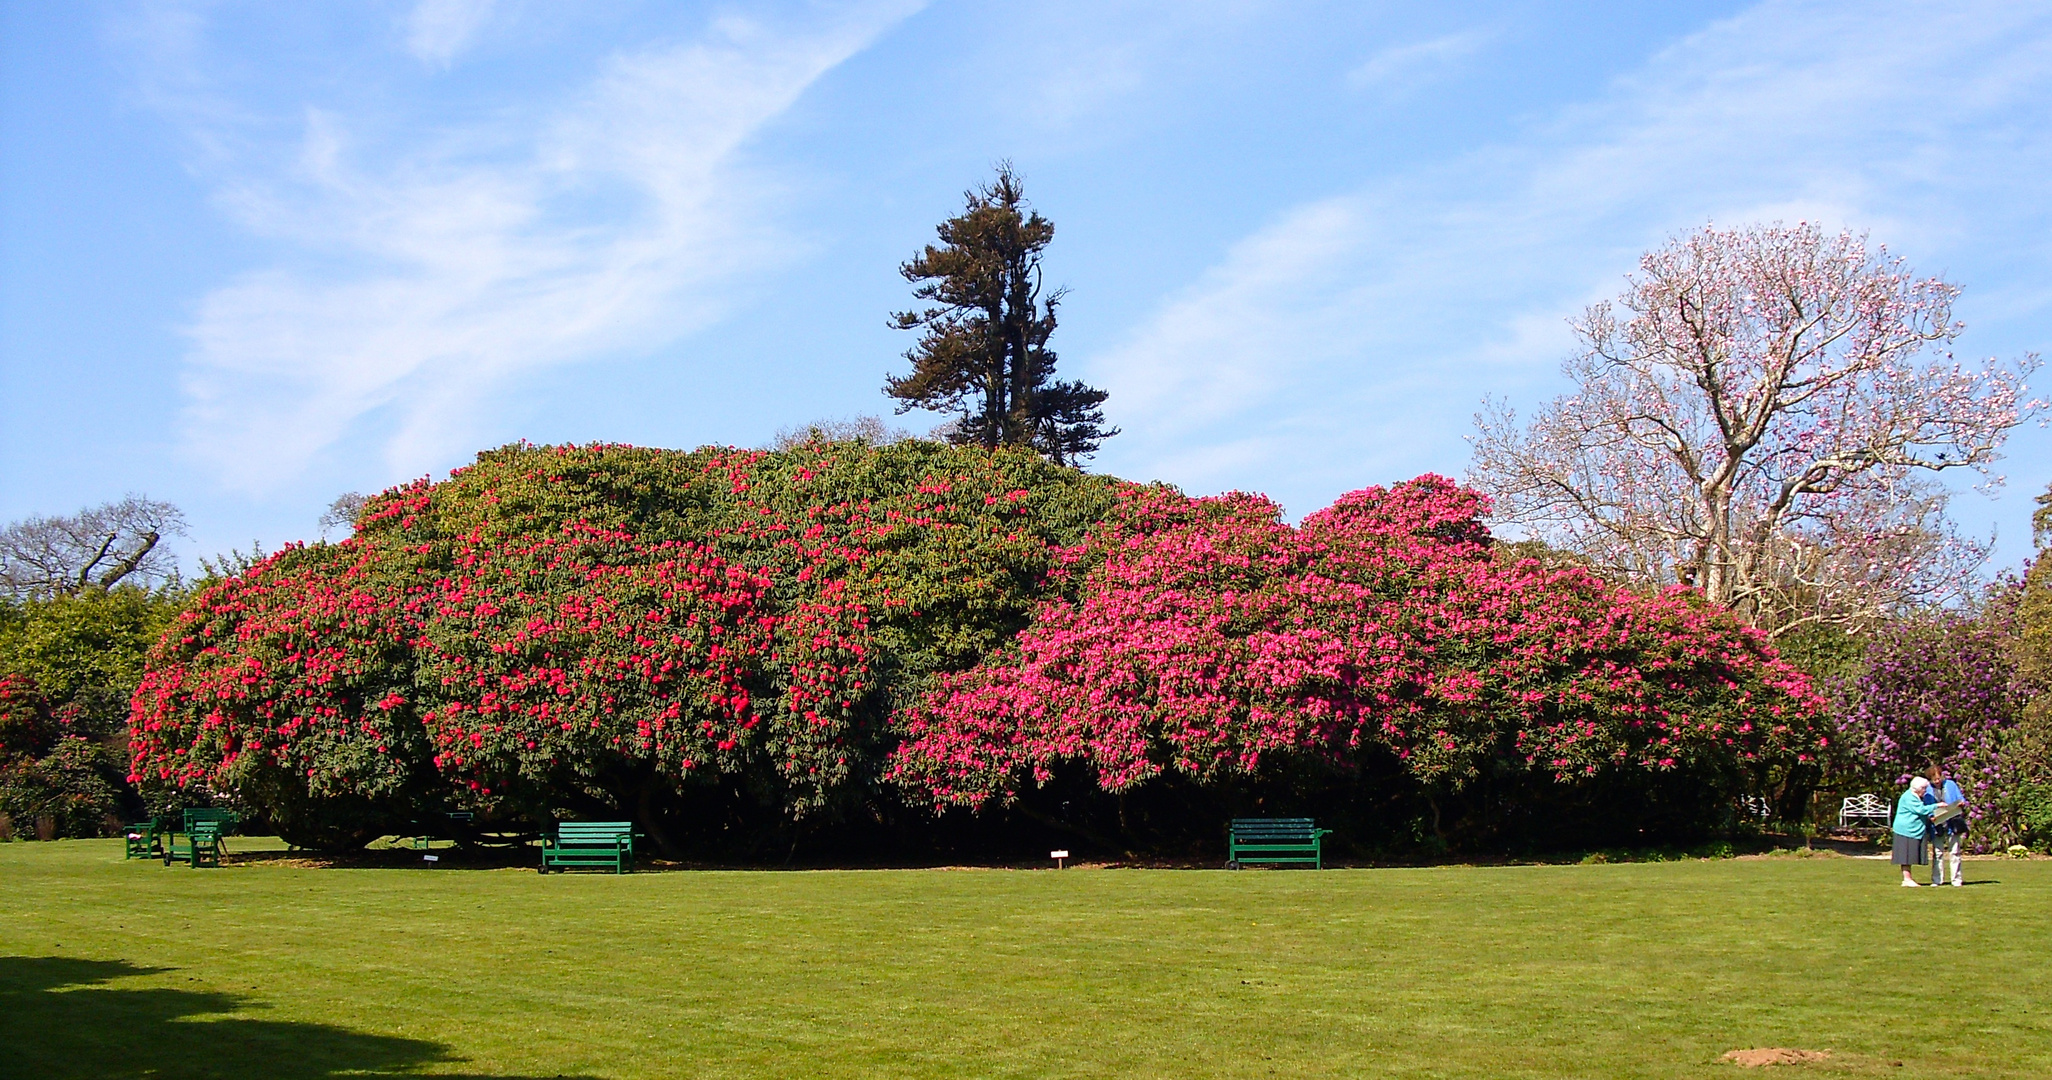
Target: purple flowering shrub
x,y
1946,689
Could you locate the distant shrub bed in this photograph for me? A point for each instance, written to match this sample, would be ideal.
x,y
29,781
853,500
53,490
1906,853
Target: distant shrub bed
x,y
716,640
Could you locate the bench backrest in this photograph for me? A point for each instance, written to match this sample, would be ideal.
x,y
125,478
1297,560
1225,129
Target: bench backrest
x,y
595,832
1274,830
1868,805
221,820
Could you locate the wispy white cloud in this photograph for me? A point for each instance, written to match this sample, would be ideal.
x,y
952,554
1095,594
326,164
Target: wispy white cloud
x,y
1401,67
437,30
1351,339
1190,367
1081,65
420,280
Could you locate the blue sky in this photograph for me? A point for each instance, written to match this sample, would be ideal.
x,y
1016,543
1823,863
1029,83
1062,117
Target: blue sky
x,y
255,255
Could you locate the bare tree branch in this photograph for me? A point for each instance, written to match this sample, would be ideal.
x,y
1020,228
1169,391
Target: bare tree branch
x,y
342,513
98,547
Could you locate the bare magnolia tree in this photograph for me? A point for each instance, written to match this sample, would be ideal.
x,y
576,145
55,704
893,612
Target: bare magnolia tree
x,y
1762,415
342,513
864,429
94,548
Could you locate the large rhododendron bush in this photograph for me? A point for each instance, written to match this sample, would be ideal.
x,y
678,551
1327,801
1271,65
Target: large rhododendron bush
x,y
712,641
1212,638
605,630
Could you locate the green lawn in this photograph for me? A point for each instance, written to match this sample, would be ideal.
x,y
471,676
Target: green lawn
x,y
113,969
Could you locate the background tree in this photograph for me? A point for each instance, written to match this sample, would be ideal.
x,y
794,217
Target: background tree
x,y
983,352
865,429
1070,421
217,568
1759,416
86,651
2031,746
2035,608
95,548
342,513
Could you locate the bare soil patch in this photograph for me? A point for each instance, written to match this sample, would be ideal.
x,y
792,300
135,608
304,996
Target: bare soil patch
x,y
1775,1055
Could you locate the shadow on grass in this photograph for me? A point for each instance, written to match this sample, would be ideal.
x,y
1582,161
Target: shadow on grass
x,y
394,859
59,1021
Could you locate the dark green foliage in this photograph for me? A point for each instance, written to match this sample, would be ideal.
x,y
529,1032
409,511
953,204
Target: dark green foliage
x,y
983,351
2030,805
86,650
69,663
1827,653
52,775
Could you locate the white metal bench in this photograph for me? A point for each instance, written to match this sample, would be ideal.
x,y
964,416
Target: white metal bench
x,y
1868,807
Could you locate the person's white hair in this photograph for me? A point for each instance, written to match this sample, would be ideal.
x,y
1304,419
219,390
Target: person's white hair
x,y
1919,785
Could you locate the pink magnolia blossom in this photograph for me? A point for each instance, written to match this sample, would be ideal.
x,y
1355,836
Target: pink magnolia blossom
x,y
1758,416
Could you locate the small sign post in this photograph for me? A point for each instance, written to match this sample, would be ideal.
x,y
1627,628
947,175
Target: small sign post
x,y
1060,858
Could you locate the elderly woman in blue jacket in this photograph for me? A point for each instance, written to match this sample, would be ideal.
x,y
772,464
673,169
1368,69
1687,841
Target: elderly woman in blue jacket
x,y
1912,828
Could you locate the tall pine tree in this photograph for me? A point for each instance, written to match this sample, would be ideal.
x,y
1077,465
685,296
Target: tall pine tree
x,y
983,351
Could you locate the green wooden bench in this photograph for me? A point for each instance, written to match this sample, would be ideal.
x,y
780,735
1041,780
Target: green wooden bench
x,y
1280,841
203,828
590,845
202,846
146,838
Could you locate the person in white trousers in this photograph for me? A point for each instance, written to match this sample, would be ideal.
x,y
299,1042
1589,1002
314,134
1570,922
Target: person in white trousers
x,y
1948,836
